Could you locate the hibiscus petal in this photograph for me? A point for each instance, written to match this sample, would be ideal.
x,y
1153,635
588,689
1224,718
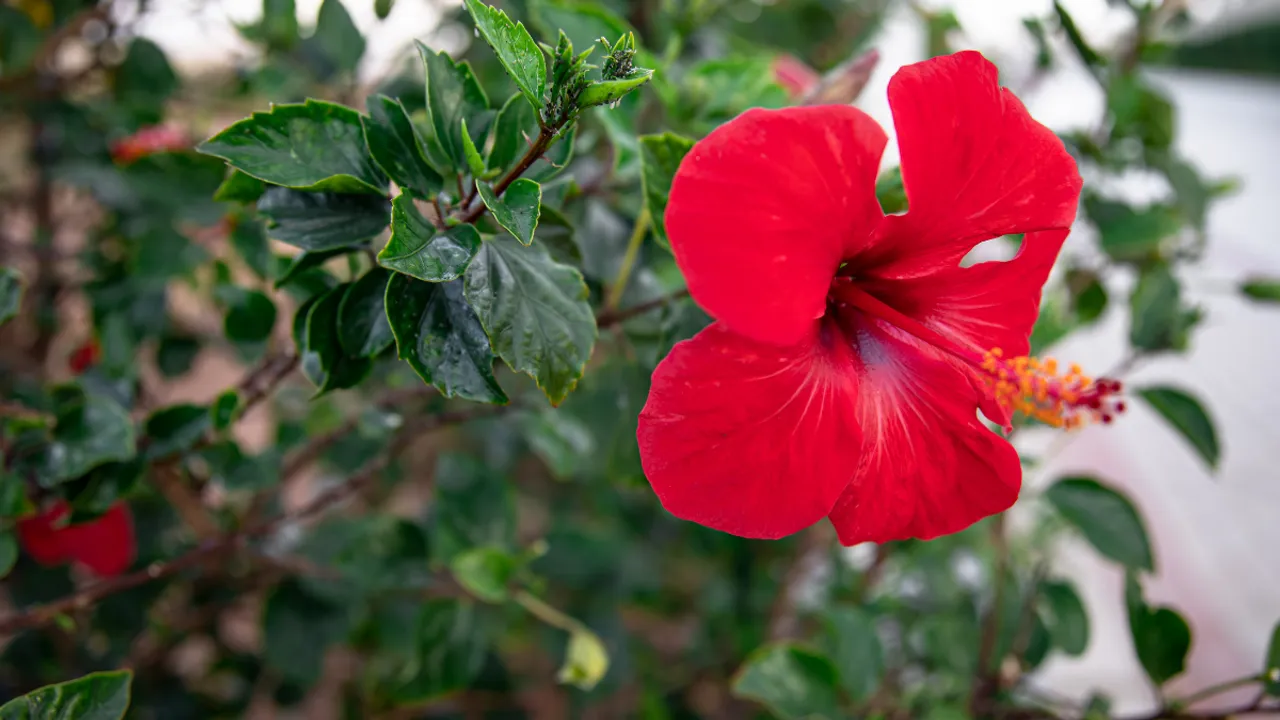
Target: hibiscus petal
x,y
106,544
749,438
41,540
764,208
975,166
989,305
929,467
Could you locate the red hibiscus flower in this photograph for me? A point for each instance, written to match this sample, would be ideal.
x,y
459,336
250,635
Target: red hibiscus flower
x,y
148,141
105,544
85,356
851,351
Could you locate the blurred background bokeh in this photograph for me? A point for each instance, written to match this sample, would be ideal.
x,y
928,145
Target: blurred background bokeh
x,y
1172,108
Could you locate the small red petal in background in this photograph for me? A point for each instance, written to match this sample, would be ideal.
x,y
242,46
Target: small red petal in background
x,y
106,545
85,356
148,141
794,75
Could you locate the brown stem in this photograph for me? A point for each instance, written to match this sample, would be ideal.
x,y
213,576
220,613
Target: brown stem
x,y
535,151
613,317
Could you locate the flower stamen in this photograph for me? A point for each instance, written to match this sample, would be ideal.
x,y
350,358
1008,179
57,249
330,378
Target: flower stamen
x,y
1038,389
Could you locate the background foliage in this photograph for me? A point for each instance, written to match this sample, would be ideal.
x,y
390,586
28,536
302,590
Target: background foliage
x,y
379,520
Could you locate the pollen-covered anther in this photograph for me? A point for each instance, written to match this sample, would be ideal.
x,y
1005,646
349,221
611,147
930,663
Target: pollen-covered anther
x,y
1038,389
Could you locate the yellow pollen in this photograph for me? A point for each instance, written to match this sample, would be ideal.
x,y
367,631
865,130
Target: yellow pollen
x,y
1035,388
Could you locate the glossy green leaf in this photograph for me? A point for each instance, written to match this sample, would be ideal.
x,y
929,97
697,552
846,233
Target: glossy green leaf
x,y
475,163
454,94
8,552
397,148
1106,518
441,338
175,429
660,157
854,647
535,312
223,411
1265,290
298,627
97,696
1271,669
340,369
452,639
91,430
322,221
1158,320
1065,616
519,54
474,507
338,36
792,682
485,572
311,146
517,210
363,329
1127,234
1161,636
1185,413
239,187
418,249
604,92
11,287
250,318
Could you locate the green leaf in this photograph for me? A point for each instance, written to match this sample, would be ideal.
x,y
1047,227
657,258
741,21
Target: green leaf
x,y
249,238
1161,637
91,430
584,23
322,221
1262,289
231,468
660,157
362,317
251,317
1127,234
382,8
1140,112
854,648
312,146
454,94
223,410
1188,417
1068,24
515,48
1271,668
397,148
97,696
20,40
338,36
604,92
144,81
475,163
585,660
1106,519
304,262
474,507
1158,320
11,286
1065,615
452,641
535,312
560,440
239,187
279,23
418,249
791,681
485,572
517,210
441,338
175,429
298,627
339,370
176,354
8,552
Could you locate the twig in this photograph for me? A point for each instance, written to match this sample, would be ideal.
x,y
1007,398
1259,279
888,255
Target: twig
x,y
628,260
258,384
986,679
535,151
611,317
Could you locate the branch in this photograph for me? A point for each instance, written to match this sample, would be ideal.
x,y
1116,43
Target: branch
x,y
535,151
986,679
613,317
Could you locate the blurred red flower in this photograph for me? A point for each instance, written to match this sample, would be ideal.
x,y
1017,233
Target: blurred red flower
x,y
106,544
148,141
